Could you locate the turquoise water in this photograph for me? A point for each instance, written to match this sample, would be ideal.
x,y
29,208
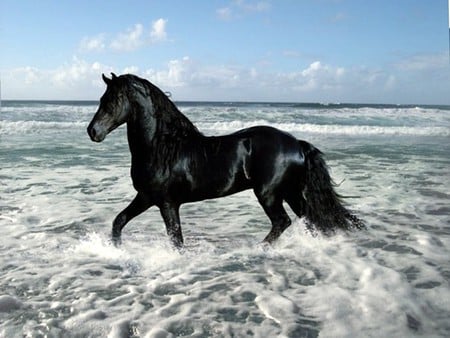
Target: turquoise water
x,y
59,193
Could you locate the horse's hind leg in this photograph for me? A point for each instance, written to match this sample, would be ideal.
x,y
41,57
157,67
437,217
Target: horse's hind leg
x,y
297,204
171,216
140,203
277,214
299,207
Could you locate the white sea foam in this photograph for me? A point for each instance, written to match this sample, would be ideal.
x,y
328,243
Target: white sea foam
x,y
61,276
328,129
19,127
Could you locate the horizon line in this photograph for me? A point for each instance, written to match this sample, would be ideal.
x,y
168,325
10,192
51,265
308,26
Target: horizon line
x,y
303,103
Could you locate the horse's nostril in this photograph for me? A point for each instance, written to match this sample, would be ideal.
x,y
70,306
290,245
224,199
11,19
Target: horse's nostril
x,y
92,132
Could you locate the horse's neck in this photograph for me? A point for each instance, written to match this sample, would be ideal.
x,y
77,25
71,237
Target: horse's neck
x,y
148,128
142,118
141,128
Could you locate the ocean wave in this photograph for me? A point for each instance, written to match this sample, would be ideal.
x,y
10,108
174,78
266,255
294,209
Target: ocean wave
x,y
29,127
18,127
328,129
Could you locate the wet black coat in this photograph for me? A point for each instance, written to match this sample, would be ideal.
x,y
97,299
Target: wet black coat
x,y
173,163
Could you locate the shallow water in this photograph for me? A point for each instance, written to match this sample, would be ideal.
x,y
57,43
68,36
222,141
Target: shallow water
x,y
61,277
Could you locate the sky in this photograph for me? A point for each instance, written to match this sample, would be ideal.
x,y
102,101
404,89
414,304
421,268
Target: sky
x,y
328,51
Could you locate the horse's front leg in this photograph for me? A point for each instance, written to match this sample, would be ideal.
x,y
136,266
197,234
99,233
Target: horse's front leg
x,y
171,216
140,203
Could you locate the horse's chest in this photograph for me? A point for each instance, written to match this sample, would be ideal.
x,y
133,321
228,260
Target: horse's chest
x,y
145,178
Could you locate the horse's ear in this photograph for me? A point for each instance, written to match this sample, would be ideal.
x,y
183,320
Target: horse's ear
x,y
106,80
113,76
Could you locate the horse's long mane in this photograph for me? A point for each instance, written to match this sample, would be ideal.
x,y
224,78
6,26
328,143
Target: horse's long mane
x,y
165,111
173,129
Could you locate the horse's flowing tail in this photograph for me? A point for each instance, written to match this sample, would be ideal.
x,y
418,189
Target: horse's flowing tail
x,y
324,210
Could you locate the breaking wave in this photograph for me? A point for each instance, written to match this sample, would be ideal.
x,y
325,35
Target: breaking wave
x,y
18,127
328,129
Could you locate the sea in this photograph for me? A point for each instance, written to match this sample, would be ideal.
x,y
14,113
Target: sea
x,y
60,276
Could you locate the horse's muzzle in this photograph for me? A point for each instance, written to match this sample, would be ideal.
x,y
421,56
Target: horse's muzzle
x,y
95,134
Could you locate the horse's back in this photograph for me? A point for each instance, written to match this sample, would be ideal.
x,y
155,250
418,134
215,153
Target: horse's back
x,y
277,158
264,131
270,143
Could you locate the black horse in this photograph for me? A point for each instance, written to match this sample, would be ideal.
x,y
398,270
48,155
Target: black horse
x,y
173,163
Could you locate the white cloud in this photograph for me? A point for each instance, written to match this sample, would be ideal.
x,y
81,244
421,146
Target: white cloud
x,y
97,66
424,62
177,74
224,13
251,6
31,74
292,54
158,32
184,77
183,74
189,79
316,76
130,40
78,79
93,44
238,8
130,70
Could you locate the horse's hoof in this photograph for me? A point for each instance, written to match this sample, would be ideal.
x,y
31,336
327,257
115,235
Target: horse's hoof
x,y
116,241
179,247
265,246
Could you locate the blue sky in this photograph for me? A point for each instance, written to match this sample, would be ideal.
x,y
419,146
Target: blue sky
x,y
384,51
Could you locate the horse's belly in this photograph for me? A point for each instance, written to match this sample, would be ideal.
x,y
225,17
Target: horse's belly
x,y
208,187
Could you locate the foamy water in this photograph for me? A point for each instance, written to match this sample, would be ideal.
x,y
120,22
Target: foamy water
x,y
61,276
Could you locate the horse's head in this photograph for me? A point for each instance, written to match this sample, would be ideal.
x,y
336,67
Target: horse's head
x,y
114,108
129,98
